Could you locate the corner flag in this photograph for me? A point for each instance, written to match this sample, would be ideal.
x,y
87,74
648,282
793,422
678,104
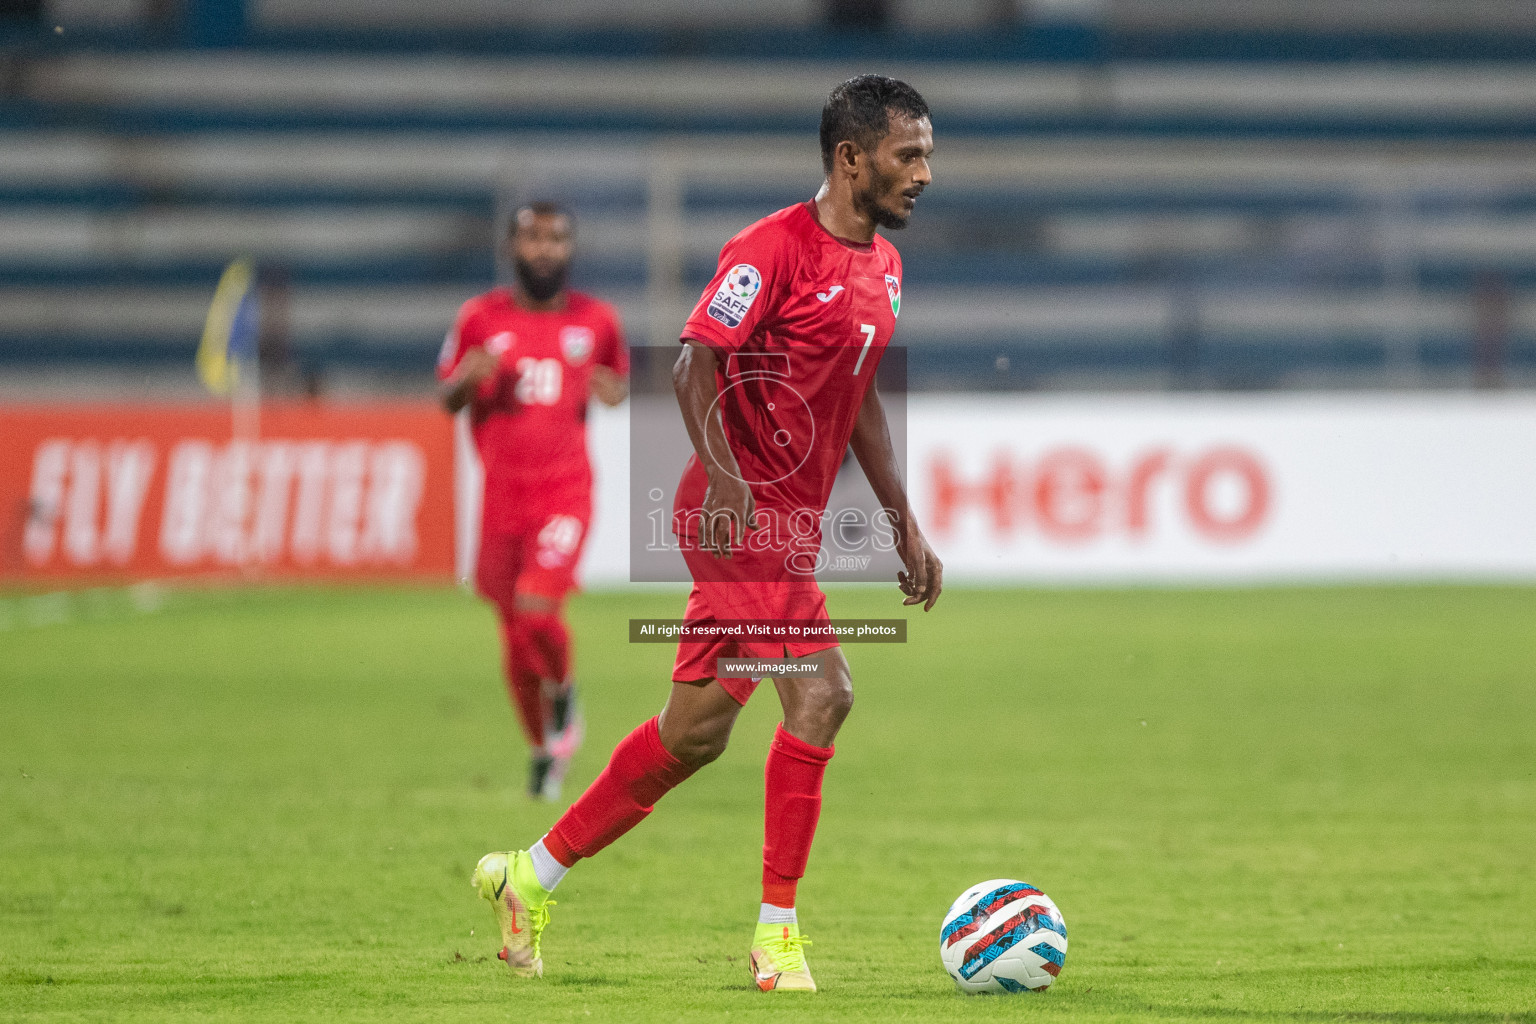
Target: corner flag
x,y
229,334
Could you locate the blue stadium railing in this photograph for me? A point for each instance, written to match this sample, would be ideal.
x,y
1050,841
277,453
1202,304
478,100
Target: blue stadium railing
x,y
1209,356
25,114
1045,41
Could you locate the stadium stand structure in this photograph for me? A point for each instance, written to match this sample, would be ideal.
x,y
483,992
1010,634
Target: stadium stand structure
x,y
1147,222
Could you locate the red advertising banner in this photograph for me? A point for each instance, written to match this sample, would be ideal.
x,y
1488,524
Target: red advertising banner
x,y
103,492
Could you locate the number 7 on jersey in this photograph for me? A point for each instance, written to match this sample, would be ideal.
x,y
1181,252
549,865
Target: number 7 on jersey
x,y
868,330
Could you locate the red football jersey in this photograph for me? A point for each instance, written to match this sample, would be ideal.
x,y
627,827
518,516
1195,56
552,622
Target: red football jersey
x,y
529,418
798,319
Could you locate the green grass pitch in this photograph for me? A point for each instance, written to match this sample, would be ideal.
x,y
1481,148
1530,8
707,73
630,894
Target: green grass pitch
x,y
1266,805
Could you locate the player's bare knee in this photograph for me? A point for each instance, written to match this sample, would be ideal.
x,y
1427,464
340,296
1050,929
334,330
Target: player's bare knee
x,y
696,742
833,700
699,746
835,692
840,698
815,709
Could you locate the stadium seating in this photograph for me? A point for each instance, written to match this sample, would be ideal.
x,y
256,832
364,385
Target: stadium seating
x,y
1121,223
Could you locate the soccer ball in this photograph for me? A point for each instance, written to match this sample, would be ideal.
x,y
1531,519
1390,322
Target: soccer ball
x,y
1003,936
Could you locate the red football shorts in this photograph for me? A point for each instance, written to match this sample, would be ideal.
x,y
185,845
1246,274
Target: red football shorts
x,y
538,554
741,587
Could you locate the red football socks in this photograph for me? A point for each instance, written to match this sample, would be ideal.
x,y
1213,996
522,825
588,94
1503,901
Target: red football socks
x,y
536,646
791,807
546,643
639,773
524,684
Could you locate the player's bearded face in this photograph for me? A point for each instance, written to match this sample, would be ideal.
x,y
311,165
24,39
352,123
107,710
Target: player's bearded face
x,y
542,281
541,254
897,173
879,200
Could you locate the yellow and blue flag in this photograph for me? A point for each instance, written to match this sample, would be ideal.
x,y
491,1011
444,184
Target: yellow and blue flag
x,y
229,335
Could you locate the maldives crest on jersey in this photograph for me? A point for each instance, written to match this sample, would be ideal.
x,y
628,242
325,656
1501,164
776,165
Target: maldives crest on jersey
x,y
893,289
577,343
736,294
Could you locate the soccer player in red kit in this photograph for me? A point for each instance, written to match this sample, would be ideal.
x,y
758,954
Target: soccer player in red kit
x,y
525,361
775,382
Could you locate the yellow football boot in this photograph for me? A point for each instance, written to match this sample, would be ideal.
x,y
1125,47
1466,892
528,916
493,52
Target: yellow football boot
x,y
521,905
778,959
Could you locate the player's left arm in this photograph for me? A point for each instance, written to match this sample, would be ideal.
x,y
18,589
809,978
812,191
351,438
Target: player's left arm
x,y
608,387
610,376
871,443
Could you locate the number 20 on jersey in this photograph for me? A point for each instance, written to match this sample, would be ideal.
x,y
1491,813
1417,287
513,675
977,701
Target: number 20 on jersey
x,y
538,381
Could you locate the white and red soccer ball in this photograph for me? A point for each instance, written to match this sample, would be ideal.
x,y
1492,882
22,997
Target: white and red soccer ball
x,y
1003,936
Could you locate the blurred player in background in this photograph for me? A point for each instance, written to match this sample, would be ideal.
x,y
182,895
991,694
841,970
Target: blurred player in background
x,y
524,361
815,289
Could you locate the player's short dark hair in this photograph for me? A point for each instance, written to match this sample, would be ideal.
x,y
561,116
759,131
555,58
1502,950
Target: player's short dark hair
x,y
541,208
860,110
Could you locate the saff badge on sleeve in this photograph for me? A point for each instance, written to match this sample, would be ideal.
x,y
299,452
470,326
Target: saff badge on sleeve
x,y
736,294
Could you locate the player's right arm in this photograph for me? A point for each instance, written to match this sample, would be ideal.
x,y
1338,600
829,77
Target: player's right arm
x,y
728,503
474,369
464,363
747,287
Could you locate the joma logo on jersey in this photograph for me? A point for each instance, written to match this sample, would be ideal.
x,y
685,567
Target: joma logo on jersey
x,y
735,295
